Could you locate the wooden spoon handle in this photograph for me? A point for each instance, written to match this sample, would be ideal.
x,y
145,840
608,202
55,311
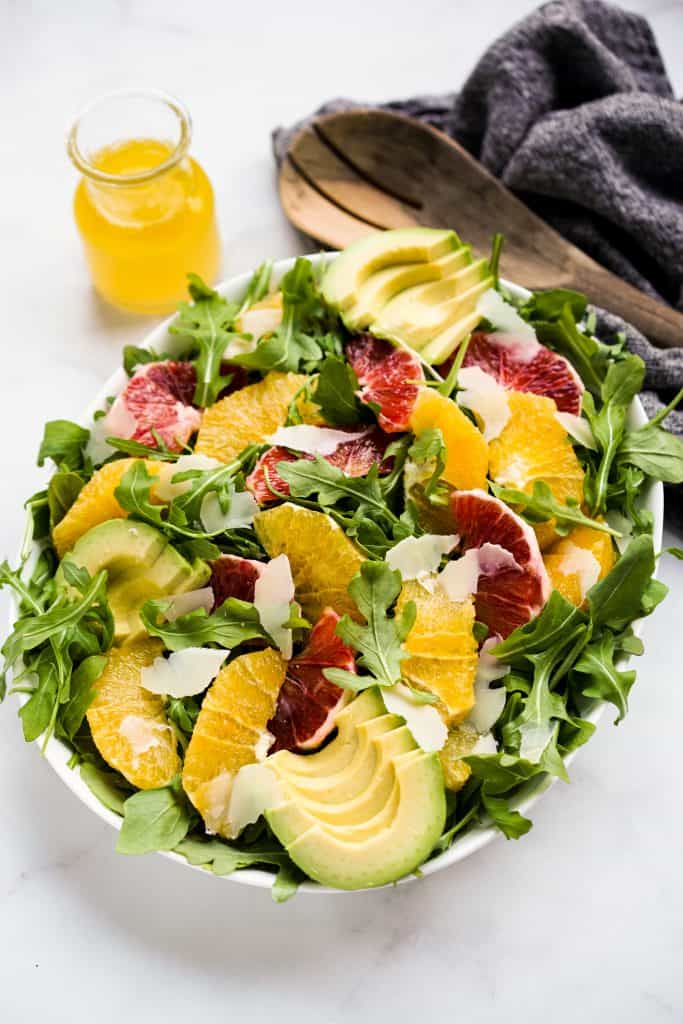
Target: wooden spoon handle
x,y
660,324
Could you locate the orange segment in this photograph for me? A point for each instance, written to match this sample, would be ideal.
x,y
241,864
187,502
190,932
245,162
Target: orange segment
x,y
442,648
128,723
247,416
460,742
563,561
467,455
532,446
322,558
231,732
95,504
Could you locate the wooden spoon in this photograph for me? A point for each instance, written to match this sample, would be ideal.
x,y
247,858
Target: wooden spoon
x,y
350,173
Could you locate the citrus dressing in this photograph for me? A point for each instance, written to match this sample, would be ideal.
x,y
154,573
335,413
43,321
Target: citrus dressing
x,y
144,208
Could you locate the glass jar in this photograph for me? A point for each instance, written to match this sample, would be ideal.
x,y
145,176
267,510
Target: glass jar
x,y
144,208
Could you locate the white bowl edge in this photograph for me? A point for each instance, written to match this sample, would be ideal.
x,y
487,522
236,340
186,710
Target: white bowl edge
x,y
58,754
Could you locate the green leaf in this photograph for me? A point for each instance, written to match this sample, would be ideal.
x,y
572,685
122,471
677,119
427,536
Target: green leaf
x,y
589,356
62,491
143,451
511,823
429,451
31,632
259,285
155,819
209,320
287,882
541,505
63,442
37,713
105,786
318,477
378,640
228,626
604,681
82,693
308,331
335,392
618,599
553,628
222,858
134,357
654,450
183,712
550,305
133,494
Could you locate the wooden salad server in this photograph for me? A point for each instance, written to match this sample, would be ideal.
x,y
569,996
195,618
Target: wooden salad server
x,y
350,173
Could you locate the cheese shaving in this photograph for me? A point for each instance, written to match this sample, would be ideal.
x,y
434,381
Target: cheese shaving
x,y
485,397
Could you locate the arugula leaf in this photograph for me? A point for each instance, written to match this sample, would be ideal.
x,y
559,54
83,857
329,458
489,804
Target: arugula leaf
x,y
133,494
511,823
259,285
63,442
618,599
155,819
228,626
605,681
38,711
335,392
287,881
541,505
105,785
143,451
429,449
209,320
654,450
622,382
62,491
550,305
308,330
81,694
134,357
318,477
588,355
222,858
378,640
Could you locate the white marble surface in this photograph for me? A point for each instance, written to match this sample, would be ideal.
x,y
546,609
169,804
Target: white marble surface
x,y
582,918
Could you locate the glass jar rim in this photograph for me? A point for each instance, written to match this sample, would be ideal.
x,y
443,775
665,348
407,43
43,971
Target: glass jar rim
x,y
89,170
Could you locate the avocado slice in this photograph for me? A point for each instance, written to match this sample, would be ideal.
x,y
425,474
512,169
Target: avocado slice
x,y
384,285
368,802
357,775
444,344
354,265
394,845
339,753
419,314
140,564
383,830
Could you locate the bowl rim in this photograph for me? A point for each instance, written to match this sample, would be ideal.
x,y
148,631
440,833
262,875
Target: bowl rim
x,y
57,753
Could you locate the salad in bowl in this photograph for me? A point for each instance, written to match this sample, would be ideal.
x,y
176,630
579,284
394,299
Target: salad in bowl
x,y
342,567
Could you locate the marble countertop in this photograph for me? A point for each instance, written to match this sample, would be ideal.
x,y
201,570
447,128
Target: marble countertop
x,y
580,918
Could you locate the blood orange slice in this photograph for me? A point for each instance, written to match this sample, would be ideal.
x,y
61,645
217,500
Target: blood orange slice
x,y
508,594
386,376
158,397
233,576
308,704
517,366
354,458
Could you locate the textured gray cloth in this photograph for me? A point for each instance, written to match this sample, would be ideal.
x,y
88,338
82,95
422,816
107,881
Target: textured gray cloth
x,y
573,110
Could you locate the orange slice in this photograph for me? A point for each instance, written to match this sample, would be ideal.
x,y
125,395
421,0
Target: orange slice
x,y
467,455
570,571
95,504
128,723
442,649
231,732
460,742
247,416
532,446
322,558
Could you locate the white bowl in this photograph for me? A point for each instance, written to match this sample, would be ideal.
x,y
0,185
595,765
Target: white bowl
x,y
58,754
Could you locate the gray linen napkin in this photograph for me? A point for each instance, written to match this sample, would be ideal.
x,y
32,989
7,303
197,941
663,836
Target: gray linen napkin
x,y
573,110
